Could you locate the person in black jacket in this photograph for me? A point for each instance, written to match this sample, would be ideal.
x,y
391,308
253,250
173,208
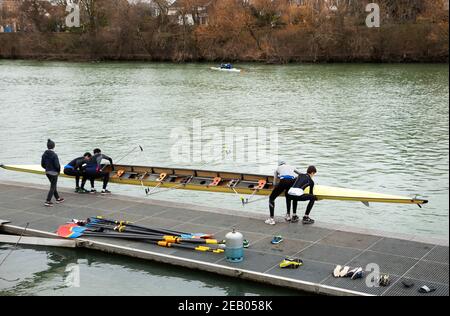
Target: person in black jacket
x,y
304,181
50,162
94,170
75,168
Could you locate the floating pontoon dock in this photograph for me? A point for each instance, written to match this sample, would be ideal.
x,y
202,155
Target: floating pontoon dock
x,y
322,247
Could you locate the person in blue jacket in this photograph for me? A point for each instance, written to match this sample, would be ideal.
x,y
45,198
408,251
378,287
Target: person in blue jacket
x,y
76,168
50,162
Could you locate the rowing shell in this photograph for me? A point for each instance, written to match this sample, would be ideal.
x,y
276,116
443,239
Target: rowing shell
x,y
225,69
222,182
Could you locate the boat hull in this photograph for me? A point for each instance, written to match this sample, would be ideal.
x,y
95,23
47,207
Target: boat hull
x,y
226,70
221,182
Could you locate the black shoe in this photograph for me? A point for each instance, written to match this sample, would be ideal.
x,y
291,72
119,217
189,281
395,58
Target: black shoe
x,y
104,192
308,221
48,204
93,191
77,190
295,219
59,201
83,191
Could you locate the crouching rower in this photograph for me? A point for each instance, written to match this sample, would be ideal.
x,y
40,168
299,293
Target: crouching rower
x,y
75,168
94,170
284,179
296,194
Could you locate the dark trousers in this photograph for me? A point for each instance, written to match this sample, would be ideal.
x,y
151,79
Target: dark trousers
x,y
283,186
97,175
53,190
85,178
305,197
74,173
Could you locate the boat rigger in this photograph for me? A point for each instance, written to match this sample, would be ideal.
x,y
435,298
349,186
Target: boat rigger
x,y
221,182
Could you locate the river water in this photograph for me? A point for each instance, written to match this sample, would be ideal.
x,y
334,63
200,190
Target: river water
x,y
381,128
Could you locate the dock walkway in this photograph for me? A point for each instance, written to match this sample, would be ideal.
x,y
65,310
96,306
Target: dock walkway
x,y
321,247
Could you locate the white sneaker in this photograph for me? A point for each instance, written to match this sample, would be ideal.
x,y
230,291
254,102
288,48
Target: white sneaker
x,y
344,272
337,271
270,221
288,218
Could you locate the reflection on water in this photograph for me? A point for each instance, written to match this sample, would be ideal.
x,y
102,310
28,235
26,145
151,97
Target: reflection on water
x,y
381,128
103,274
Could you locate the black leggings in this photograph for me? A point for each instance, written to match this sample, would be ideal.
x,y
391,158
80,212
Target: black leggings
x,y
74,173
97,175
53,190
305,197
283,186
85,178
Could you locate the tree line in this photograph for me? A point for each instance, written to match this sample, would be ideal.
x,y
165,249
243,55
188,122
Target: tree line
x,y
273,31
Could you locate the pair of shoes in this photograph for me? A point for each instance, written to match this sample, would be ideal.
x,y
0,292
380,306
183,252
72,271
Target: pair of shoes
x,y
308,221
277,240
295,219
347,272
384,280
287,217
291,263
340,271
356,273
48,204
104,192
270,221
427,289
59,201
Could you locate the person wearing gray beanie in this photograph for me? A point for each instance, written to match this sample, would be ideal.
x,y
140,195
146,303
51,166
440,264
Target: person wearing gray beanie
x,y
50,144
50,162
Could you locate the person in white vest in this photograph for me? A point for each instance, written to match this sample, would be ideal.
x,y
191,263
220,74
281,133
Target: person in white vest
x,y
284,178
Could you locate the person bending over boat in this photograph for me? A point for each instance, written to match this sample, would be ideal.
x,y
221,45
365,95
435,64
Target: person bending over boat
x,y
284,179
50,162
75,168
94,170
296,194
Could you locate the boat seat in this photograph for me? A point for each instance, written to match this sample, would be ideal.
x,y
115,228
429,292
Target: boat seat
x,y
142,176
215,182
187,180
233,183
118,174
261,184
162,177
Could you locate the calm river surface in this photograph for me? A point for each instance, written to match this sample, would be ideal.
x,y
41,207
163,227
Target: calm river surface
x,y
381,128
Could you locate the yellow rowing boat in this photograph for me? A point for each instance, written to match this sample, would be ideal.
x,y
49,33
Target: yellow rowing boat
x,y
222,182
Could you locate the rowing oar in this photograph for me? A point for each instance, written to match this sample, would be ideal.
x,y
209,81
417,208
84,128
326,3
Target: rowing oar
x,y
127,233
129,153
169,243
72,231
100,219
